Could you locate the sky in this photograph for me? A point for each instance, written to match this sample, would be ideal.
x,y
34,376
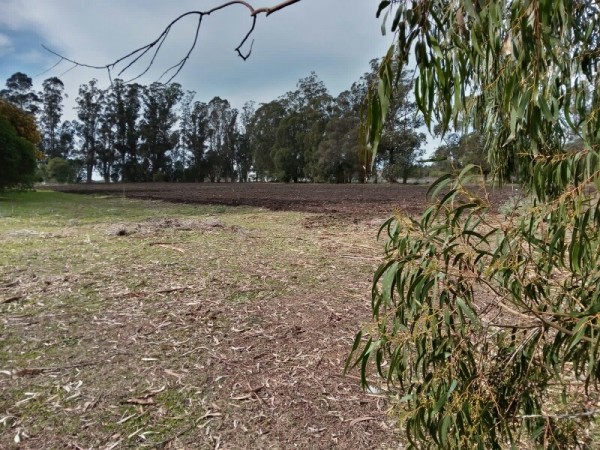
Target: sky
x,y
334,38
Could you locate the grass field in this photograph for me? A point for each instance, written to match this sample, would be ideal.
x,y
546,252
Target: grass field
x,y
143,324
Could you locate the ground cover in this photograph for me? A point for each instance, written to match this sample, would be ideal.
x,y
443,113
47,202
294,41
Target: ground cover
x,y
138,323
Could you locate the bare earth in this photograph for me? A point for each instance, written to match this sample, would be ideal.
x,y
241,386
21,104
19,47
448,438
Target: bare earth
x,y
364,200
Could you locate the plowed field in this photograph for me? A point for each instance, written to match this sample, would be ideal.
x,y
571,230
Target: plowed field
x,y
360,200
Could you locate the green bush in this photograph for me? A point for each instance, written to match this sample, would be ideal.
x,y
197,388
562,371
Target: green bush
x,y
17,158
61,170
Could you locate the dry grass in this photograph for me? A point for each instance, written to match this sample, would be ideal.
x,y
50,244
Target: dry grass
x,y
138,324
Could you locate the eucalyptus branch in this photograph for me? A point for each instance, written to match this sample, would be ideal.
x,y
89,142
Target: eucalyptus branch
x,y
134,56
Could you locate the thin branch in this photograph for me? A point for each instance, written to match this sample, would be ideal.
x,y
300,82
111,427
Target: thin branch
x,y
181,63
49,69
161,39
63,58
247,55
11,299
275,8
133,57
74,66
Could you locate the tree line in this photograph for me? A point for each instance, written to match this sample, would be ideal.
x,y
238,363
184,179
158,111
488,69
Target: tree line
x,y
136,133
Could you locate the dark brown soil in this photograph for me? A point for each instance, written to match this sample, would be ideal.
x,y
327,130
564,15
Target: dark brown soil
x,y
360,200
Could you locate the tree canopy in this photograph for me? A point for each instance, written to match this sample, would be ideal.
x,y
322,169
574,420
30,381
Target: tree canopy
x,y
18,136
131,132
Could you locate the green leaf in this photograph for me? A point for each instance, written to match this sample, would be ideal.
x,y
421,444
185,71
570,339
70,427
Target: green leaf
x,y
438,185
355,346
382,5
578,332
446,423
467,311
397,18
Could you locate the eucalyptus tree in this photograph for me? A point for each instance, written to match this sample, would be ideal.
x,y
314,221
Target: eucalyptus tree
x,y
490,329
51,113
121,121
89,110
301,129
158,136
339,150
337,157
401,149
288,153
243,153
106,155
222,120
261,132
19,91
231,144
66,142
458,151
401,142
194,132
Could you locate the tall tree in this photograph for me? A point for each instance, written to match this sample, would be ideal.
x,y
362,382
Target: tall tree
x,y
339,150
89,110
458,152
261,133
106,154
128,134
65,147
194,136
222,121
19,91
341,153
52,107
288,154
157,127
243,155
400,141
301,130
120,127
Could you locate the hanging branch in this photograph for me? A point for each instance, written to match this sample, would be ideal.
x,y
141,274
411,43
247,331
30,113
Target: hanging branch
x,y
136,55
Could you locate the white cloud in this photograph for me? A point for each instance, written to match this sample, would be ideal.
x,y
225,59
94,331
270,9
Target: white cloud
x,y
6,45
336,38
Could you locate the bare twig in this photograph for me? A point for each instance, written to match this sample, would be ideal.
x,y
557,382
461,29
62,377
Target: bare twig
x,y
133,57
176,289
167,245
31,371
11,299
145,293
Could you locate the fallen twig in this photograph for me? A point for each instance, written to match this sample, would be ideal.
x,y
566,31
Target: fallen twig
x,y
145,293
169,246
32,371
11,299
177,289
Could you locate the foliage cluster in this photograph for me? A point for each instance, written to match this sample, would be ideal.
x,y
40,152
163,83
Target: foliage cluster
x,y
18,136
490,329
